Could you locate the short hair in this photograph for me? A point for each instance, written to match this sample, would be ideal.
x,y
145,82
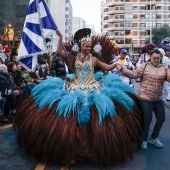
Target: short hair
x,y
156,51
2,66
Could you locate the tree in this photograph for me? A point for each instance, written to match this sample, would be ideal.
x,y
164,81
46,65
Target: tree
x,y
158,34
12,14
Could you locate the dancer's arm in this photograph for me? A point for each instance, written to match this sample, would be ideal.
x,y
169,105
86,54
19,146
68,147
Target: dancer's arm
x,y
103,65
60,50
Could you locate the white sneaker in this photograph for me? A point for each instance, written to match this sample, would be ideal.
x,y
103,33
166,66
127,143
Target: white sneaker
x,y
155,142
166,103
144,145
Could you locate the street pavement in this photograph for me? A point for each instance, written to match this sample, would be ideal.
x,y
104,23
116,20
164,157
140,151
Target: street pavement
x,y
12,158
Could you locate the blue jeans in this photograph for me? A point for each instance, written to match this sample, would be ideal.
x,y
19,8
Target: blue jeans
x,y
148,107
2,105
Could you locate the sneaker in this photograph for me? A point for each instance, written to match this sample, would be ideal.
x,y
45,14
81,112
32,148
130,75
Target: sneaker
x,y
144,145
166,103
155,142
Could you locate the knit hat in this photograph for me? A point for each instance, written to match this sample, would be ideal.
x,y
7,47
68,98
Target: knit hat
x,y
10,65
162,51
7,50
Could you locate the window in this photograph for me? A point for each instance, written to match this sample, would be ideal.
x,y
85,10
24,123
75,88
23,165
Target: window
x,y
142,7
134,33
120,41
128,16
121,16
135,16
143,33
121,32
128,24
142,24
142,16
127,32
128,7
128,41
158,16
158,7
158,25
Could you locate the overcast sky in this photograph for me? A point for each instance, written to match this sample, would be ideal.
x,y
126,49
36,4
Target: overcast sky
x,y
89,10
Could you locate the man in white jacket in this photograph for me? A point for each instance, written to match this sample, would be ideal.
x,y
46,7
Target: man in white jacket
x,y
166,62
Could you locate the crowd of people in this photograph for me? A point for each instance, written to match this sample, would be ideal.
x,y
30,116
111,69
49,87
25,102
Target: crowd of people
x,y
16,82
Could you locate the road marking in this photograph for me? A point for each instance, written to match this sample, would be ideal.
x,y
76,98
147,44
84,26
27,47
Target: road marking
x,y
5,127
40,167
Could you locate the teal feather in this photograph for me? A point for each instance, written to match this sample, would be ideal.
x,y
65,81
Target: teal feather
x,y
120,96
114,81
53,96
84,115
47,85
98,75
70,103
103,104
71,76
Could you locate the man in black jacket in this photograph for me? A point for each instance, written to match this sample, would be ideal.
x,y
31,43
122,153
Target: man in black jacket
x,y
10,91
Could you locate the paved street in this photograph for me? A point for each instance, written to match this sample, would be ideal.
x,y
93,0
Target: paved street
x,y
12,158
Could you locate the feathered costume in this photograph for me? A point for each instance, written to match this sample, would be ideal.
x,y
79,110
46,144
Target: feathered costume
x,y
91,116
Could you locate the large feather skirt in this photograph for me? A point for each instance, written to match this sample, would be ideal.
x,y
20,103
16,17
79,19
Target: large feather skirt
x,y
56,126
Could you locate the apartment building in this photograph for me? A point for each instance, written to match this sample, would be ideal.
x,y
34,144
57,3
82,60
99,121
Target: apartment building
x,y
130,22
62,15
77,24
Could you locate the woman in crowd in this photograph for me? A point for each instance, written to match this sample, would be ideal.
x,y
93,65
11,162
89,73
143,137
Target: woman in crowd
x,y
153,74
89,116
18,79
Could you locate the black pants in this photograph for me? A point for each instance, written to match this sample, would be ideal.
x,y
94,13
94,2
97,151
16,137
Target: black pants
x,y
15,101
148,107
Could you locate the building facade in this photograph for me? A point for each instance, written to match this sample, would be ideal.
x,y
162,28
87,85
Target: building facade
x,y
62,15
77,24
130,22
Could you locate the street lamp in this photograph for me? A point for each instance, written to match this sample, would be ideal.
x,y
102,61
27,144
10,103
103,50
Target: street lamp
x,y
150,23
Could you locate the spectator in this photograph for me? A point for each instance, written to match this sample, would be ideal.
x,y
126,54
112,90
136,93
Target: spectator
x,y
124,62
145,56
24,73
14,52
3,57
10,91
2,106
165,62
150,94
1,62
7,52
14,59
19,81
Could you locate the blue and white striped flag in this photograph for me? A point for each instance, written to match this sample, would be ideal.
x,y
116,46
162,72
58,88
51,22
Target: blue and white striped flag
x,y
38,25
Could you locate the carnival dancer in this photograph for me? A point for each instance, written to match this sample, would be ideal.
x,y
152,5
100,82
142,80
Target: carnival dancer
x,y
89,116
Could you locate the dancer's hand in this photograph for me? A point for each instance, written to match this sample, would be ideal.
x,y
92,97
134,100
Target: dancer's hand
x,y
59,33
119,67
